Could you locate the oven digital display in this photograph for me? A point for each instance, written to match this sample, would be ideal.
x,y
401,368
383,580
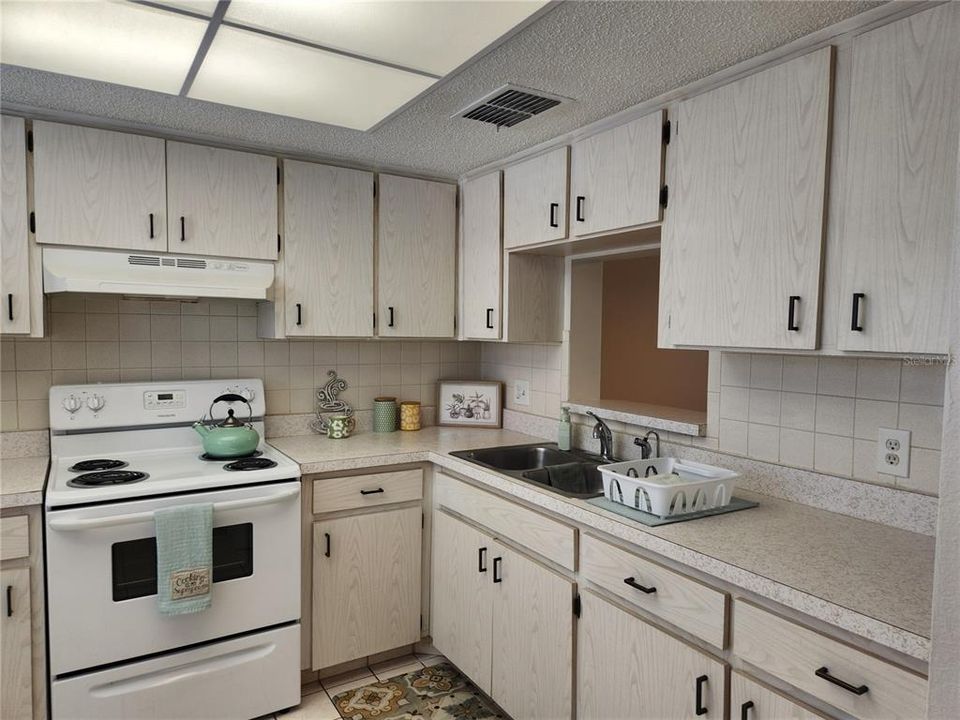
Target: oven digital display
x,y
165,400
164,396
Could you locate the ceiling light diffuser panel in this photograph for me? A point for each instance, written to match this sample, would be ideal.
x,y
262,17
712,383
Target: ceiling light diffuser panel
x,y
258,72
433,37
120,43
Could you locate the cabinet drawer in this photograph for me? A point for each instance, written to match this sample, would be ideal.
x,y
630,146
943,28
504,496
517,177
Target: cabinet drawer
x,y
686,603
794,654
508,520
360,491
14,537
749,700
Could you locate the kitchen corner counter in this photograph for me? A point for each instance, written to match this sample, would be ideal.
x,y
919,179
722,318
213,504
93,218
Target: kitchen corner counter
x,y
21,481
872,580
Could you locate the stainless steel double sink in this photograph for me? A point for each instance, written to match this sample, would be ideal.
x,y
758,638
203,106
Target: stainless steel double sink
x,y
572,473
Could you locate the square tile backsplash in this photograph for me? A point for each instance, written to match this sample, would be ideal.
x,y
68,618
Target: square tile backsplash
x,y
97,338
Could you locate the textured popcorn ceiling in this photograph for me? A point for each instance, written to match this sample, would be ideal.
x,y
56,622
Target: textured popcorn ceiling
x,y
606,55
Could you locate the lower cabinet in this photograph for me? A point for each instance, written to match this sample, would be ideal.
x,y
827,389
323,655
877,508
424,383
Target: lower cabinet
x,y
627,668
366,584
749,700
504,620
16,688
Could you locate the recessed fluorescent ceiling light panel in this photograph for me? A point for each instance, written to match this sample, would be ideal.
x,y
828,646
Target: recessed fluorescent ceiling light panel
x,y
120,43
434,37
254,71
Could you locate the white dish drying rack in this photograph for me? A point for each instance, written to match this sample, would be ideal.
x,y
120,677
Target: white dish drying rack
x,y
692,487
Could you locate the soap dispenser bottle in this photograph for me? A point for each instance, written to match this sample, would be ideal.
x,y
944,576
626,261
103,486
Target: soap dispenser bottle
x,y
563,429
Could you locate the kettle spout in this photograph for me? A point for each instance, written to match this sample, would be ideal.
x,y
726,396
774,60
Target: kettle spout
x,y
202,429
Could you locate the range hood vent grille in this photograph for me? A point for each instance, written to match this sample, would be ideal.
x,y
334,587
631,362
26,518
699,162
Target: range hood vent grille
x,y
150,261
509,105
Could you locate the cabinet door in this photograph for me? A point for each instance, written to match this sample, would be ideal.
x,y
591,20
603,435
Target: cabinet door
x,y
14,241
480,257
532,638
99,188
900,185
616,177
740,256
16,672
328,250
750,700
535,199
417,266
221,202
366,585
461,613
628,669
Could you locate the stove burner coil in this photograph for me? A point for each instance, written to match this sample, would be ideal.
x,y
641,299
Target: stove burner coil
x,y
210,458
107,477
97,464
251,463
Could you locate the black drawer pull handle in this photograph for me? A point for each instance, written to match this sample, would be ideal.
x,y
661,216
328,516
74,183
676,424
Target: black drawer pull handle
x,y
371,492
9,600
792,314
151,226
855,689
299,314
482,560
745,708
553,214
390,320
632,582
855,324
580,200
183,229
10,307
497,577
701,681
327,537
489,318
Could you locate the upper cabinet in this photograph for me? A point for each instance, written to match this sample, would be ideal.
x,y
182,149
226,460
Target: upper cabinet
x,y
481,258
899,192
14,237
616,177
742,238
535,199
327,250
99,188
416,265
221,202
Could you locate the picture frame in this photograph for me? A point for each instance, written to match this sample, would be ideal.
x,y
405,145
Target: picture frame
x,y
470,403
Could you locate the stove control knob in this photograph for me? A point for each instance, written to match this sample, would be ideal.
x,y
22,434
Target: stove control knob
x,y
71,403
96,402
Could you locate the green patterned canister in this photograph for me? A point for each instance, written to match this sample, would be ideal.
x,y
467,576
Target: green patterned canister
x,y
384,414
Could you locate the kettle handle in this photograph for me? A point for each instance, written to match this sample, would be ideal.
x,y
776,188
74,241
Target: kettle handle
x,y
231,397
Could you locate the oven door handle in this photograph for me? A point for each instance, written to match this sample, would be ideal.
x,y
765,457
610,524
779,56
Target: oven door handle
x,y
111,521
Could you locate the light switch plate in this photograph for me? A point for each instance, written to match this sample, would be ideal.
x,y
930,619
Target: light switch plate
x,y
521,392
893,452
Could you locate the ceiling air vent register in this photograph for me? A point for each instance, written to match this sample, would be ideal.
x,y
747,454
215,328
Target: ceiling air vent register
x,y
510,105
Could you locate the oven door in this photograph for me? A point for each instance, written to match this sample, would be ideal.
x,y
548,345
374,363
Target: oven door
x,y
101,575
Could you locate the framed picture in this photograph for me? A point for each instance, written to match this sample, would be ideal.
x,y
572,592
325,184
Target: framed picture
x,y
469,403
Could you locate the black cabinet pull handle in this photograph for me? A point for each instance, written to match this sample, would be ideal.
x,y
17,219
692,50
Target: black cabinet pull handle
x,y
701,681
855,689
553,214
151,226
371,492
390,316
497,577
792,314
745,708
9,600
580,200
10,307
327,537
183,229
632,582
299,314
482,560
489,318
855,324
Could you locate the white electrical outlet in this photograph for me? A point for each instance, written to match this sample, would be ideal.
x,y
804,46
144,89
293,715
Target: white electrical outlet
x,y
893,452
521,392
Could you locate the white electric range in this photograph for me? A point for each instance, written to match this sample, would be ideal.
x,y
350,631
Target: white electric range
x,y
118,453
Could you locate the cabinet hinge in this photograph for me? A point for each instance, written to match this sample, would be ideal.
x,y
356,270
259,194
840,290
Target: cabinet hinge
x,y
374,321
423,524
664,195
576,605
30,141
666,133
374,189
33,222
278,174
278,242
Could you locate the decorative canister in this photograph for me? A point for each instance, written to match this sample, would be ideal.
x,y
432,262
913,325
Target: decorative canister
x,y
410,415
384,414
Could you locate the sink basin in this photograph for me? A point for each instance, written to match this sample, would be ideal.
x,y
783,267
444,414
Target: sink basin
x,y
524,457
580,480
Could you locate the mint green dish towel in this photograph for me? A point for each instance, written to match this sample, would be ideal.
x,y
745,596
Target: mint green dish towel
x,y
184,558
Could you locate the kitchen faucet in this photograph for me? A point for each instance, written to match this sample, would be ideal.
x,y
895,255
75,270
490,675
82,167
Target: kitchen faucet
x,y
646,450
602,433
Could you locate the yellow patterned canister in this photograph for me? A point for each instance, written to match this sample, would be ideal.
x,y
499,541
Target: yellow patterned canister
x,y
410,415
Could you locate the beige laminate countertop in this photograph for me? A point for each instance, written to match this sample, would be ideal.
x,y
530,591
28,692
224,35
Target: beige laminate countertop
x,y
870,579
21,481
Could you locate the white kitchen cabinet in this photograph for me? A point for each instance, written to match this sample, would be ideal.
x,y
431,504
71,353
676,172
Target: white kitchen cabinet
x,y
480,257
741,247
535,199
14,232
627,668
749,700
416,268
99,188
16,685
221,202
366,584
899,188
328,250
616,177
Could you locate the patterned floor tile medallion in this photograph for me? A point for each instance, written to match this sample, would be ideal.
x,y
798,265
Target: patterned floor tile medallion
x,y
434,693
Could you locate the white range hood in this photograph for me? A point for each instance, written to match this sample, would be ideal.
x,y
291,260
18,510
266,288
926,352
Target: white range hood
x,y
153,274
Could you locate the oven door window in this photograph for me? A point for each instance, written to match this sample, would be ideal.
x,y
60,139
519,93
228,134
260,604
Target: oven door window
x,y
135,561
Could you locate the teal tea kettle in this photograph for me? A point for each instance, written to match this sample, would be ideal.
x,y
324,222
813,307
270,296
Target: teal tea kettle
x,y
232,437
